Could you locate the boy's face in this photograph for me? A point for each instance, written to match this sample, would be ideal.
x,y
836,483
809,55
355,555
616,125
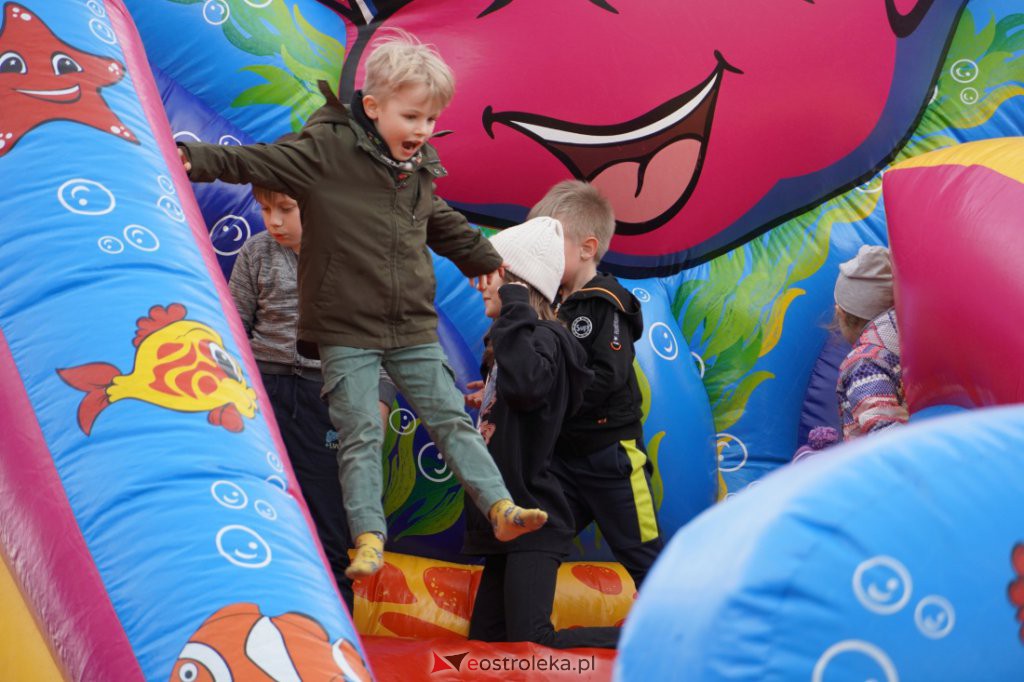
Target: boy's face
x,y
405,119
573,260
282,220
492,302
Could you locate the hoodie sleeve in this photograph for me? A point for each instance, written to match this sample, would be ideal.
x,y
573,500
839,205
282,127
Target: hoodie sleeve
x,y
527,354
451,236
286,167
610,350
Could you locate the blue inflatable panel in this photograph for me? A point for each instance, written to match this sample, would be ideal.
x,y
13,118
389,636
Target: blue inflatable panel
x,y
890,559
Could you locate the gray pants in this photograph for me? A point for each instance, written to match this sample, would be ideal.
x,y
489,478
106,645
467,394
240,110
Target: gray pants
x,y
422,374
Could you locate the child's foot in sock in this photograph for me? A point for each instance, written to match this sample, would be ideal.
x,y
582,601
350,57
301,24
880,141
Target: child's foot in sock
x,y
369,556
510,521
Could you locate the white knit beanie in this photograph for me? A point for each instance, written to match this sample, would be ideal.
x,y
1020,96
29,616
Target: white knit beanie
x,y
864,285
534,252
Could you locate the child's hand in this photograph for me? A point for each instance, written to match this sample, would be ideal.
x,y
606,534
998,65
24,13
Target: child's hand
x,y
475,398
483,281
184,160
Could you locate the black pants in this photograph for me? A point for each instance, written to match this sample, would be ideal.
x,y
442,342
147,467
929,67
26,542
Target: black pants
x,y
514,602
312,448
612,487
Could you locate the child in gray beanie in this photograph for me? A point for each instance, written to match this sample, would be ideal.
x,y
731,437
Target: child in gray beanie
x,y
870,385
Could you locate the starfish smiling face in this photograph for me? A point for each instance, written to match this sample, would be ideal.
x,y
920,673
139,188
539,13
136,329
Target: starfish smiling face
x,y
43,79
704,122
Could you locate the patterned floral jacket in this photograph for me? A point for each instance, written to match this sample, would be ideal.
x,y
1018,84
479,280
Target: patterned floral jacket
x,y
870,386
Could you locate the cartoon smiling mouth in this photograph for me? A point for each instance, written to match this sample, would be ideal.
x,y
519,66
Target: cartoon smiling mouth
x,y
63,96
648,167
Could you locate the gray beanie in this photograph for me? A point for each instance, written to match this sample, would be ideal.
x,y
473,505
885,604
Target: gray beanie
x,y
864,286
534,252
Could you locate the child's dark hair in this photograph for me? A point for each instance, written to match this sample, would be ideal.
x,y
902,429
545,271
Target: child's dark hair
x,y
261,194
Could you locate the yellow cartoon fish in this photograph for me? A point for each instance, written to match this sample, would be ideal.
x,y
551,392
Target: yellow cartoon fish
x,y
179,364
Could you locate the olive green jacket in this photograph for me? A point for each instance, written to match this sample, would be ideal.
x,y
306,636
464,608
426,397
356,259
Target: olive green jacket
x,y
366,278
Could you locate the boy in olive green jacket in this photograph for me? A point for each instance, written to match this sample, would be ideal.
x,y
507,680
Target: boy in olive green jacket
x,y
364,179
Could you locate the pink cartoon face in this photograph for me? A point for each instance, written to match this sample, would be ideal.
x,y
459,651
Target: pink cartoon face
x,y
702,121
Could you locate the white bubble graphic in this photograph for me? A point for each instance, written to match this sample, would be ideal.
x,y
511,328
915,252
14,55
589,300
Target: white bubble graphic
x,y
187,135
964,71
229,495
663,341
969,96
265,509
402,421
700,364
229,141
86,197
732,450
935,616
243,547
872,186
277,482
642,295
102,31
96,8
861,660
166,184
274,461
141,237
428,460
229,234
258,4
882,585
110,244
171,207
216,12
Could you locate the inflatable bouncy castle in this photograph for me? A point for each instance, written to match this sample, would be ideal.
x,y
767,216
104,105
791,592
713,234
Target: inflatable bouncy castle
x,y
150,522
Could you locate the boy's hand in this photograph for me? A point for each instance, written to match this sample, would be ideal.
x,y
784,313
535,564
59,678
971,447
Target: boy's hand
x,y
184,160
483,281
477,396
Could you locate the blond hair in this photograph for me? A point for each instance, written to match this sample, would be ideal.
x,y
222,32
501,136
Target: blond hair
x,y
582,210
400,59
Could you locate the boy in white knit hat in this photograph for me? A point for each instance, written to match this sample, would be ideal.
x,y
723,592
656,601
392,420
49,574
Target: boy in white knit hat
x,y
536,377
870,385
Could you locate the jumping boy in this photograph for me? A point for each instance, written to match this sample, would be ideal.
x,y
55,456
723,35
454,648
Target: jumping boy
x,y
363,176
265,289
601,460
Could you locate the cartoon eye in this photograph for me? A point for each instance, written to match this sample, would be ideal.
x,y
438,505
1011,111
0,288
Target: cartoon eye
x,y
12,62
225,362
63,64
188,673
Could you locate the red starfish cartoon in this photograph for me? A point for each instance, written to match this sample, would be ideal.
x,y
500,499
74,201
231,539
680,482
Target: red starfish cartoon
x,y
1016,588
44,79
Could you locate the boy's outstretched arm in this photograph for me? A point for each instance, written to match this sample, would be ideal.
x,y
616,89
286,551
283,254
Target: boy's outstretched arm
x,y
450,235
287,167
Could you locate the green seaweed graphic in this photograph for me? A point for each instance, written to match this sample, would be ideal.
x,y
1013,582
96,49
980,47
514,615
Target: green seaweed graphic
x,y
733,315
306,56
414,504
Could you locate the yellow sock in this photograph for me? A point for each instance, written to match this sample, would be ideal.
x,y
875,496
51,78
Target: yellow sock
x,y
369,556
510,520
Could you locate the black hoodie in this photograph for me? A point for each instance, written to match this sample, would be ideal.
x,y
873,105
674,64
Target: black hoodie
x,y
606,319
538,379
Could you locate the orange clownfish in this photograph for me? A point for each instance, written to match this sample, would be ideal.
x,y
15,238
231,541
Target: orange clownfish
x,y
240,644
179,364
